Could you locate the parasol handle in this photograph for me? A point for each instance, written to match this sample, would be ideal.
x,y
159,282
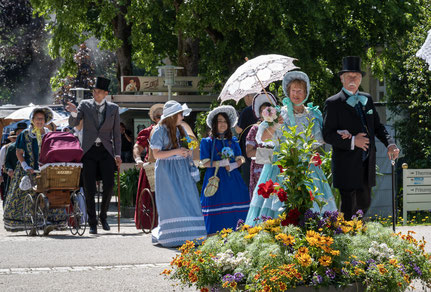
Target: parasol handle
x,y
264,90
118,197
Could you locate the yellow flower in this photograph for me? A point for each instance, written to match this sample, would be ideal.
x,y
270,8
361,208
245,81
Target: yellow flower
x,y
253,230
225,232
382,269
276,229
282,286
359,271
304,259
302,250
166,272
393,261
250,236
286,239
335,252
325,260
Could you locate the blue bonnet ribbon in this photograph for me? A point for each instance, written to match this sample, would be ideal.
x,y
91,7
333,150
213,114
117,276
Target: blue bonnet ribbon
x,y
355,98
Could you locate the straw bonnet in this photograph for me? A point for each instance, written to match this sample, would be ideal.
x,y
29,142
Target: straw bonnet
x,y
12,134
173,107
49,114
260,99
228,110
153,109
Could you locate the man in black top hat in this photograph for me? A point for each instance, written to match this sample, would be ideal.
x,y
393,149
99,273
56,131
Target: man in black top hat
x,y
101,143
350,125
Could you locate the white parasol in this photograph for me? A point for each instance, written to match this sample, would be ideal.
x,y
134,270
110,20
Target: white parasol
x,y
425,50
24,114
256,74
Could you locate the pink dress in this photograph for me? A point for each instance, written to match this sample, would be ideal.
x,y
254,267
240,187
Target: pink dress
x,y
255,168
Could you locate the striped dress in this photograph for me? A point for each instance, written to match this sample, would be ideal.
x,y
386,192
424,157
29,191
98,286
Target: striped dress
x,y
177,197
231,201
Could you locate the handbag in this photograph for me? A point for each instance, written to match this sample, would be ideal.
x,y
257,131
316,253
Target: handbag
x,y
194,171
212,185
264,155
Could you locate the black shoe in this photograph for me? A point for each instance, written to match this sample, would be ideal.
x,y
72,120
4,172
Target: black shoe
x,y
93,229
105,225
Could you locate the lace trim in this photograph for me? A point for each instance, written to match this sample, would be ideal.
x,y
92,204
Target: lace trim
x,y
57,164
185,229
180,219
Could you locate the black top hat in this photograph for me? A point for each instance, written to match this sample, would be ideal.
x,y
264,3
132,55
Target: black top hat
x,y
20,126
102,83
351,64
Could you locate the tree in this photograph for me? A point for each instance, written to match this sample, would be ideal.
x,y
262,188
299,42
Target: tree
x,y
409,87
22,54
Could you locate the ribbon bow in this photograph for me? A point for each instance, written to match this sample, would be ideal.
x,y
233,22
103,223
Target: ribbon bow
x,y
355,98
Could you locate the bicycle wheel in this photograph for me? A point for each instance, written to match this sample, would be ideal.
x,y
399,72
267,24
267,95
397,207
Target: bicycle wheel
x,y
28,215
78,222
41,213
147,207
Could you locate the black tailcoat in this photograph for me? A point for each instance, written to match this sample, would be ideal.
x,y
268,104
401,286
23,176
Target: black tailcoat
x,y
347,165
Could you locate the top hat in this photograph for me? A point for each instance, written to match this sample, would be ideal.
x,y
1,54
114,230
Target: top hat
x,y
351,64
102,83
21,126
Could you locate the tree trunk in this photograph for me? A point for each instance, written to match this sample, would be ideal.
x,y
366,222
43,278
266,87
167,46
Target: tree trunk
x,y
123,31
188,50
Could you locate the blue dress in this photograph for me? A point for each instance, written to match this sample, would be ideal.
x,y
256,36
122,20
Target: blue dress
x,y
272,206
231,201
177,197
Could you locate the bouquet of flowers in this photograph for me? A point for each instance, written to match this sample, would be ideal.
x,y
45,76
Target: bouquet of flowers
x,y
270,115
226,153
189,143
296,155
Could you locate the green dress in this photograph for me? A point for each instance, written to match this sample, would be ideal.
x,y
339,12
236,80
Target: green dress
x,y
12,216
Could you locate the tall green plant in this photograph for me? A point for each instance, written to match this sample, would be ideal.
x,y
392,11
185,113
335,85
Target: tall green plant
x,y
128,187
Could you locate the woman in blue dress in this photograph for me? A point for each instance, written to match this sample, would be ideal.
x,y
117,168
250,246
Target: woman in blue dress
x,y
296,86
28,146
177,197
231,201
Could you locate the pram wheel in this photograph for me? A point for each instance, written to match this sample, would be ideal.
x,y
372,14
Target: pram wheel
x,y
28,215
148,209
41,213
77,222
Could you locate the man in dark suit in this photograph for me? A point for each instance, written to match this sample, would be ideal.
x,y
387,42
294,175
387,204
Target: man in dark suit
x,y
350,125
101,143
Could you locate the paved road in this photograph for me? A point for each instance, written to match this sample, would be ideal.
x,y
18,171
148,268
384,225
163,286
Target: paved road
x,y
109,261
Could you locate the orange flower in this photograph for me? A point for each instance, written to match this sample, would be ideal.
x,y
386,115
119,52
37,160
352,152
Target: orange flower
x,y
303,250
166,272
204,290
382,269
325,260
282,286
303,259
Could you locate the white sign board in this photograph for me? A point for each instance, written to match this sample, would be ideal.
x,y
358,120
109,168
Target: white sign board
x,y
416,191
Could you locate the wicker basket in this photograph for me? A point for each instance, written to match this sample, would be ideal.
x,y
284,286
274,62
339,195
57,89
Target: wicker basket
x,y
60,177
149,171
58,198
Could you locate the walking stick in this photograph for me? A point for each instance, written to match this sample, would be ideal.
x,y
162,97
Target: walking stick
x,y
394,205
118,196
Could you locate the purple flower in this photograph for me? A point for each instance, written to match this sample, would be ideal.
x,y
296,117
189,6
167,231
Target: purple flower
x,y
265,218
239,224
238,277
317,279
330,274
403,268
345,272
371,261
417,270
228,278
360,213
354,263
338,230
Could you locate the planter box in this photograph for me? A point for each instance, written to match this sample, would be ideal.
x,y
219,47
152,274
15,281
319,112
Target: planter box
x,y
349,288
127,212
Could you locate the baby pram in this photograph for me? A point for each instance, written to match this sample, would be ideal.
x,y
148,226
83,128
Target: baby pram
x,y
57,185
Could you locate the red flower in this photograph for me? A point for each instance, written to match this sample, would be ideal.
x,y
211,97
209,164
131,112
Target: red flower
x,y
266,189
281,168
282,195
316,159
311,196
291,218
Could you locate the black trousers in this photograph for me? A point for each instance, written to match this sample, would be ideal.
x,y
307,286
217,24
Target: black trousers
x,y
98,160
353,200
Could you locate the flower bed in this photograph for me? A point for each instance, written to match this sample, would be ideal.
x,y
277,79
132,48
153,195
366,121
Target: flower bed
x,y
320,252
